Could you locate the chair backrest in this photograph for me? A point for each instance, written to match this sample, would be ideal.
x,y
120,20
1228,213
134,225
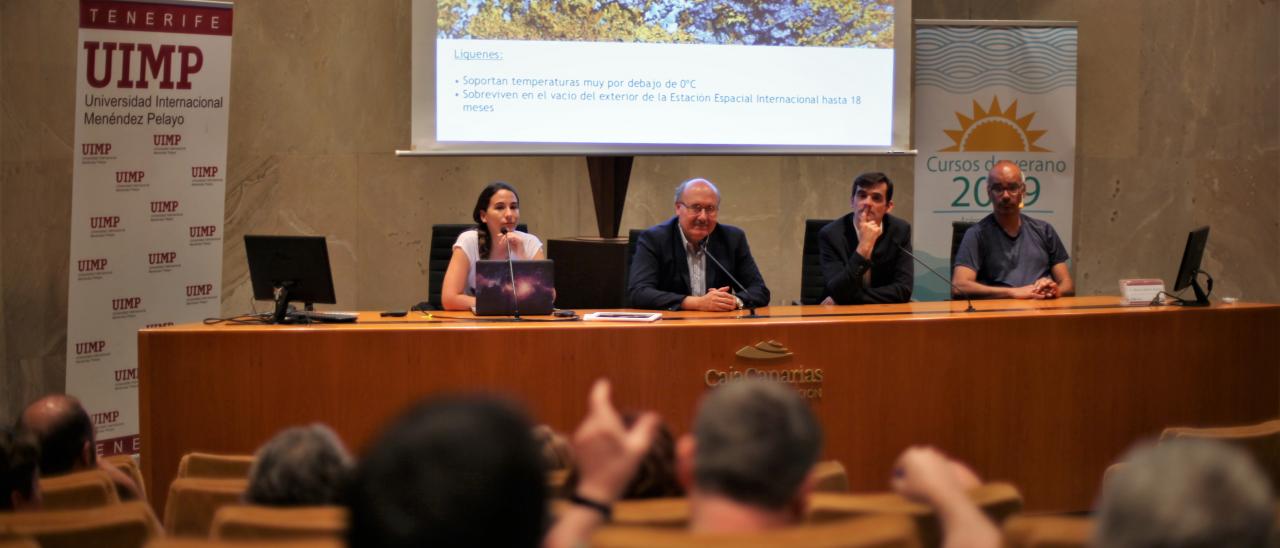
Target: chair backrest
x,y
830,477
1261,440
192,503
868,532
997,500
126,464
78,490
170,542
1048,532
443,237
125,525
252,522
670,512
811,282
958,228
208,465
632,236
17,542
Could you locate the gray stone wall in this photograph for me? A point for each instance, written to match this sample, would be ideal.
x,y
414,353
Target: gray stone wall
x,y
1179,126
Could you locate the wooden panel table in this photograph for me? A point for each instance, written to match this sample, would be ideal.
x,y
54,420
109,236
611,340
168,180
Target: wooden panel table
x,y
1043,394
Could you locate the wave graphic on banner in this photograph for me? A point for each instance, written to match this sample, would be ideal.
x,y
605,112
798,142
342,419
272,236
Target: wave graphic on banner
x,y
965,59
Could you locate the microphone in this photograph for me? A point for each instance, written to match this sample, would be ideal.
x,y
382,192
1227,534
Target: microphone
x,y
940,277
515,298
751,307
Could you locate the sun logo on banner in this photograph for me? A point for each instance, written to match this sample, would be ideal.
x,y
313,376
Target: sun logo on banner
x,y
994,130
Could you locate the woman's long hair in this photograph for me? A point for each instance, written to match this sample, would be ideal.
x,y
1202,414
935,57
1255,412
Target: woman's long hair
x,y
482,203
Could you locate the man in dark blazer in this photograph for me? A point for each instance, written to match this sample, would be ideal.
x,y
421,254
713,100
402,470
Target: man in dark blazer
x,y
674,266
860,253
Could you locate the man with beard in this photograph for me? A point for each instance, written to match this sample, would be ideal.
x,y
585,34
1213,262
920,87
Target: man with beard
x,y
1008,255
674,266
862,253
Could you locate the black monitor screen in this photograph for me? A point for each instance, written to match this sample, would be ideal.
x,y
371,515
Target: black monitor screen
x,y
1191,258
299,262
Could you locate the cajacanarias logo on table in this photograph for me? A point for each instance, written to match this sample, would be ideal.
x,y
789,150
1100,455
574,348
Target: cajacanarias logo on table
x,y
806,380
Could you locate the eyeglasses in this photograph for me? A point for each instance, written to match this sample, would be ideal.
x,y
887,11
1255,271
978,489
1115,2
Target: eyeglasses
x,y
699,209
1011,189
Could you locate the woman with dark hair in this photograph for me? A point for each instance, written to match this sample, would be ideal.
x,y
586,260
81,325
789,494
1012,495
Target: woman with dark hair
x,y
498,207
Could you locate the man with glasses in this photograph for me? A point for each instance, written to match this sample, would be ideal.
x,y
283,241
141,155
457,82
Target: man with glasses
x,y
862,254
674,266
1008,255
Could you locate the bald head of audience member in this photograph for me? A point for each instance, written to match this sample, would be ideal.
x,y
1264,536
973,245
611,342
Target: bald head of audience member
x,y
451,472
19,457
1186,494
300,466
64,432
749,457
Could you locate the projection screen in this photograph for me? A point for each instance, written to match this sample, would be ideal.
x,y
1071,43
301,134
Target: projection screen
x,y
633,77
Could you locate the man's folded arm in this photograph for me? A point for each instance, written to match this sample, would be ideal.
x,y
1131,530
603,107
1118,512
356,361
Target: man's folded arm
x,y
643,284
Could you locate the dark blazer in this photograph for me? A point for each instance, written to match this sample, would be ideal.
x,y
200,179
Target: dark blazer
x,y
892,272
660,267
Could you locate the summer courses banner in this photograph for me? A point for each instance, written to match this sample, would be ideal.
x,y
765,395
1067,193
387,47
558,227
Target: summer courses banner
x,y
985,92
147,192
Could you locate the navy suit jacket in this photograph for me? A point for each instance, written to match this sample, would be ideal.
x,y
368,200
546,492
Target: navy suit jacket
x,y
660,267
892,272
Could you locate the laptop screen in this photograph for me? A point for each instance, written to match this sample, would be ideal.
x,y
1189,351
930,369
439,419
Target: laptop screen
x,y
534,291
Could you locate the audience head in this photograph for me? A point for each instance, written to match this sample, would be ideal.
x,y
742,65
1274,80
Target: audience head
x,y
1185,493
554,447
19,457
754,442
451,471
64,432
655,476
300,466
697,208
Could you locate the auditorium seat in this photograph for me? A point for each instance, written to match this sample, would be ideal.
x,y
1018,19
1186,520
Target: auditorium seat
x,y
171,542
208,465
78,490
193,502
1261,440
868,532
441,251
997,500
17,542
812,283
125,525
829,476
660,512
252,522
126,464
1048,532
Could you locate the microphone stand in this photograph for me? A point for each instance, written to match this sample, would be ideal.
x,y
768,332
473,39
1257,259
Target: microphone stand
x,y
515,299
940,277
751,308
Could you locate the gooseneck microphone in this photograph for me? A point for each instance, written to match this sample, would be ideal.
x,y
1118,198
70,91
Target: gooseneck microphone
x,y
948,282
515,298
751,307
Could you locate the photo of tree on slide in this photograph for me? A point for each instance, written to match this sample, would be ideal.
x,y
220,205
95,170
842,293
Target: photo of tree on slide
x,y
825,23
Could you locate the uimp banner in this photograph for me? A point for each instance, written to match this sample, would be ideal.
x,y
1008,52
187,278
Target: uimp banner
x,y
147,192
987,92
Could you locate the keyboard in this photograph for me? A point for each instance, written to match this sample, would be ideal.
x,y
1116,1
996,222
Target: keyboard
x,y
318,316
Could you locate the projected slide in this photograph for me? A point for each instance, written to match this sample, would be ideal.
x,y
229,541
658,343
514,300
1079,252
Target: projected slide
x,y
691,72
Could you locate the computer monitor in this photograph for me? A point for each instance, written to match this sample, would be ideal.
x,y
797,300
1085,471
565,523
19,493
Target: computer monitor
x,y
1189,269
288,269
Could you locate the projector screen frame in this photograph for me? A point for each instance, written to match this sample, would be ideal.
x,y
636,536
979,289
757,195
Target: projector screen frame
x,y
423,56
